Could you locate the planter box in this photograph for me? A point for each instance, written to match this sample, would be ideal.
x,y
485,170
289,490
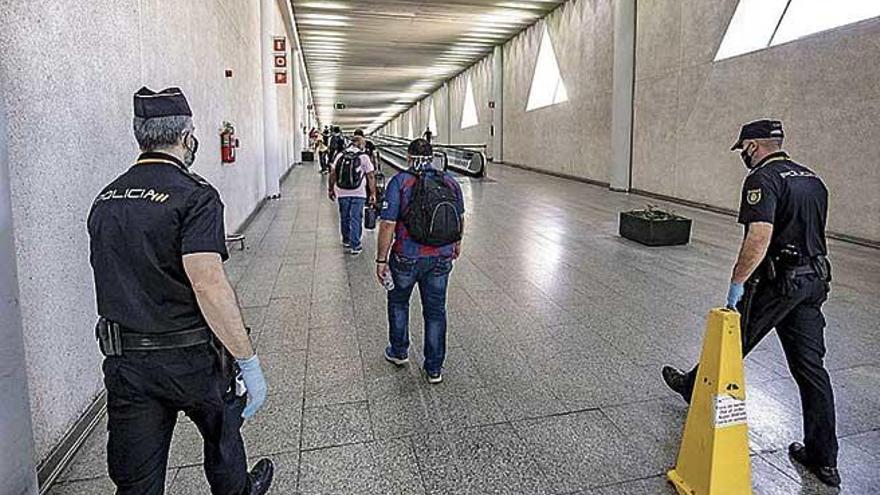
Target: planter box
x,y
666,232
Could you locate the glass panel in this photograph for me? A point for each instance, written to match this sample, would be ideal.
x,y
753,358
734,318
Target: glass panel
x,y
805,17
751,27
469,113
432,120
547,86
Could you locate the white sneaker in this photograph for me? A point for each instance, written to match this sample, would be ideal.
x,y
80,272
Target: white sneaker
x,y
434,379
357,251
346,244
399,361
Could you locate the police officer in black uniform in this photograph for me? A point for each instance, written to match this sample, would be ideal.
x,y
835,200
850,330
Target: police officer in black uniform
x,y
169,322
780,280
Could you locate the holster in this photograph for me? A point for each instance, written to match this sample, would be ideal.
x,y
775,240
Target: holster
x,y
225,359
770,271
109,337
822,267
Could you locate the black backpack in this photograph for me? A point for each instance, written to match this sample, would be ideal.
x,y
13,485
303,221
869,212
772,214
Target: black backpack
x,y
432,217
348,171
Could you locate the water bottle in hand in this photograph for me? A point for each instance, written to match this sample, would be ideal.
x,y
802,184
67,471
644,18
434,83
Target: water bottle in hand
x,y
388,280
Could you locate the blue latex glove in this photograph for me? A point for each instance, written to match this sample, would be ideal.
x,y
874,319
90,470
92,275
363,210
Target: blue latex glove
x,y
734,294
255,382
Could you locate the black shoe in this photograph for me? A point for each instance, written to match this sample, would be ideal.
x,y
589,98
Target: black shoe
x,y
826,474
260,477
677,380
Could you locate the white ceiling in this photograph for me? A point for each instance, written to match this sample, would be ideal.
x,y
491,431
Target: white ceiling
x,y
379,56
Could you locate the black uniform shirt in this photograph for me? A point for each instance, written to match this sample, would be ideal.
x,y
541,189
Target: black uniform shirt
x,y
792,198
140,226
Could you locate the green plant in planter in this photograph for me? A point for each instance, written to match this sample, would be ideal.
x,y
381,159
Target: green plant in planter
x,y
653,226
655,214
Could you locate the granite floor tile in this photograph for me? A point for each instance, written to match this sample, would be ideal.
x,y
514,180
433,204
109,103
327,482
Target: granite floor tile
x,y
332,380
584,449
275,428
489,459
387,467
336,424
285,372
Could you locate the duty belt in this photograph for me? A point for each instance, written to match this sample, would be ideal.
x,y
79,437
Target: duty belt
x,y
803,270
116,339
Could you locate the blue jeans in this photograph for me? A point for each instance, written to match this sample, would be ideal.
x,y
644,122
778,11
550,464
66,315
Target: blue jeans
x,y
432,276
351,218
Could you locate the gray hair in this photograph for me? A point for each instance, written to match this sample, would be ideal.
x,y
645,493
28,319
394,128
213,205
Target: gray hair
x,y
769,144
161,132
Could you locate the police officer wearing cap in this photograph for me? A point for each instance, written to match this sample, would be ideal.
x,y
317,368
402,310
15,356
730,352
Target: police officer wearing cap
x,y
170,326
780,280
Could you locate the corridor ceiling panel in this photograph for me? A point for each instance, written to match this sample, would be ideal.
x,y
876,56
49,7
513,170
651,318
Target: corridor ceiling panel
x,y
379,57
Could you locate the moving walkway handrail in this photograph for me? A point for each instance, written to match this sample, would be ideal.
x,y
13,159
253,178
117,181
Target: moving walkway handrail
x,y
465,161
401,156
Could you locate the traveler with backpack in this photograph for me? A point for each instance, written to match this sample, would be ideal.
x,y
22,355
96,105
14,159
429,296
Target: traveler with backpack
x,y
336,144
351,178
423,214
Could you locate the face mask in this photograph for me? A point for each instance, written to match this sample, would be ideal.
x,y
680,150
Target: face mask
x,y
190,155
746,158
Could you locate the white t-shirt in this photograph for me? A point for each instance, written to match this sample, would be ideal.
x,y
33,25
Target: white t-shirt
x,y
366,166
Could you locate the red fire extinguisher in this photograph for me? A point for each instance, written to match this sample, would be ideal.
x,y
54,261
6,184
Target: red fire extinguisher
x,y
228,143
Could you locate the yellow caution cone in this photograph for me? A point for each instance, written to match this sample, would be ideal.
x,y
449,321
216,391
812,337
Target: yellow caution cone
x,y
714,454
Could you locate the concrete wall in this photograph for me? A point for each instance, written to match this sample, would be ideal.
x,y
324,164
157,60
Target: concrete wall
x,y
68,69
573,137
480,75
688,109
286,125
16,432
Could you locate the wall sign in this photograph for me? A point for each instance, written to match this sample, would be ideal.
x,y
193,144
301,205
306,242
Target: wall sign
x,y
279,47
279,44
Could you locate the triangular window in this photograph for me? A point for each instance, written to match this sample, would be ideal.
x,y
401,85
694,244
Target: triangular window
x,y
469,113
760,24
432,120
547,86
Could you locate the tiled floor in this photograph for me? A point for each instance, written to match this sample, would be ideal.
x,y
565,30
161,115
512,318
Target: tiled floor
x,y
557,330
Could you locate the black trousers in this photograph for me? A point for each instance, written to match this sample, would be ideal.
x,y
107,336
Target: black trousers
x,y
799,323
145,391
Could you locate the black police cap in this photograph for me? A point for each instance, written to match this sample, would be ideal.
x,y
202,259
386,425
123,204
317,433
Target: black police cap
x,y
759,129
166,103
